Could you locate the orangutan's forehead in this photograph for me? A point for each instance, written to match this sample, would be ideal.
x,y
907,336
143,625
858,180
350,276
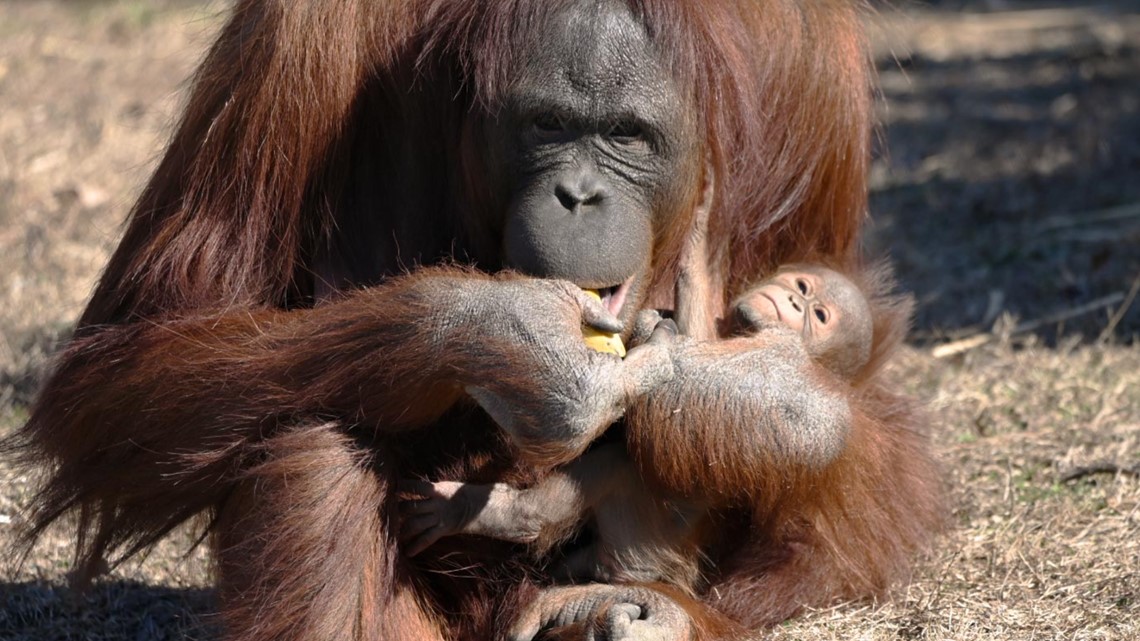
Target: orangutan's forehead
x,y
599,56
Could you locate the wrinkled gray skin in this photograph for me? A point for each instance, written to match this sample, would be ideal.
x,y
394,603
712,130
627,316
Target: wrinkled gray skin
x,y
630,612
559,394
592,151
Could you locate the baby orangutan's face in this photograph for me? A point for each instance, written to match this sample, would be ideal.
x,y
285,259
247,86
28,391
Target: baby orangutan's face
x,y
825,308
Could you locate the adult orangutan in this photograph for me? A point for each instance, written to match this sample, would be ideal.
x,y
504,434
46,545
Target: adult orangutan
x,y
360,260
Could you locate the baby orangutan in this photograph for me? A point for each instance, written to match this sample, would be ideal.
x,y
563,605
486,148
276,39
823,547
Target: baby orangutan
x,y
641,537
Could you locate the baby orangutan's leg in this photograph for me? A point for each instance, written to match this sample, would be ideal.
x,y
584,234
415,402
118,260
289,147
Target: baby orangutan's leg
x,y
498,511
639,537
543,515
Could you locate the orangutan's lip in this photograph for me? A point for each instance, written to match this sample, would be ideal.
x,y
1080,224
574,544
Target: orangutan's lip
x,y
613,297
779,316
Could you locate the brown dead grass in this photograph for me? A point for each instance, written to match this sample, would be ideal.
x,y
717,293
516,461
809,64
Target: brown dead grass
x,y
87,90
1029,555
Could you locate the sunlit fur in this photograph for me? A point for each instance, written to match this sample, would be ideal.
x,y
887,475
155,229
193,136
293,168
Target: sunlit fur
x,y
810,535
201,380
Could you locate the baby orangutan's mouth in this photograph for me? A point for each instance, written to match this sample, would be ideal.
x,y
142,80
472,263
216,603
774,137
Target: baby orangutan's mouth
x,y
775,308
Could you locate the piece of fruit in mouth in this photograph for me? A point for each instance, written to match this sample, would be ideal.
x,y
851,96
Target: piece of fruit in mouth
x,y
599,341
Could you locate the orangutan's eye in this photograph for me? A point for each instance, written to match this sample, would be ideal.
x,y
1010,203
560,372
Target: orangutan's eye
x,y
548,126
626,133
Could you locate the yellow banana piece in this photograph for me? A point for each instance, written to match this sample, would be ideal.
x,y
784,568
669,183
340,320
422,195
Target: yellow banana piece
x,y
605,342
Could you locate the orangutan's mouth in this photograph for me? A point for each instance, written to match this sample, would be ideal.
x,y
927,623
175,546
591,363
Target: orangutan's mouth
x,y
613,297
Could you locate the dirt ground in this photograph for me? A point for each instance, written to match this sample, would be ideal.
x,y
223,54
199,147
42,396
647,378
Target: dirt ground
x,y
1007,193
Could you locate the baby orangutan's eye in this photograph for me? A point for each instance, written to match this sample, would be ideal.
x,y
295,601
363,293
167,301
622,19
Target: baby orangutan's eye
x,y
822,315
802,285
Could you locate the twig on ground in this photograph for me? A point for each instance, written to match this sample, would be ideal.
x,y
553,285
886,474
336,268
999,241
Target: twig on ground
x,y
1116,317
1064,315
962,345
1100,467
1066,221
977,340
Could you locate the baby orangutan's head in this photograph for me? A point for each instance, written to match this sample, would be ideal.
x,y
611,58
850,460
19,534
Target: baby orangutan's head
x,y
827,309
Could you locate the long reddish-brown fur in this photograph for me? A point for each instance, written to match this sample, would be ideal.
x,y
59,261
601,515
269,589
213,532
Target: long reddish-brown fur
x,y
203,377
810,535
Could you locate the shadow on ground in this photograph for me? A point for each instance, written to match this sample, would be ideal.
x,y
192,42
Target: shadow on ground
x,y
1011,181
112,610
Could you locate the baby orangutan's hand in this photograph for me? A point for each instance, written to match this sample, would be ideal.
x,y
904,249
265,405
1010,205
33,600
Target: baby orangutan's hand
x,y
440,509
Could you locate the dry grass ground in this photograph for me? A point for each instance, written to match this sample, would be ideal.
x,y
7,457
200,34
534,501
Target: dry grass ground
x,y
1010,201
